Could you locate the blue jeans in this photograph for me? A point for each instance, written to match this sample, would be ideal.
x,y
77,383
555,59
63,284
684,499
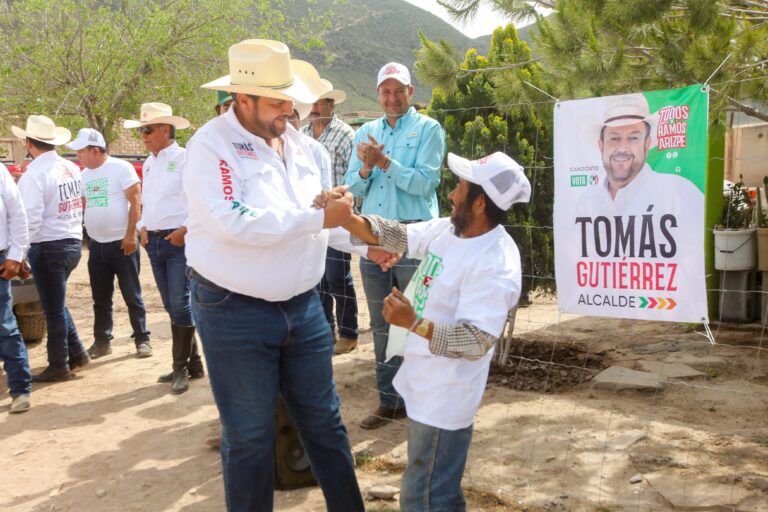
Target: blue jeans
x,y
377,285
52,263
12,349
169,266
105,261
436,460
337,285
256,349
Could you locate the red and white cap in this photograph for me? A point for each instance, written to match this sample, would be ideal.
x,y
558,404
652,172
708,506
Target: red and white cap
x,y
500,176
396,71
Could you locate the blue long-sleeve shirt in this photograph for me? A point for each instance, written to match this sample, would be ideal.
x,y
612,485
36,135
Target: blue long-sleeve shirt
x,y
406,191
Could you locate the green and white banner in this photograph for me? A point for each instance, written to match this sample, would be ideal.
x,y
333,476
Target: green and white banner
x,y
629,205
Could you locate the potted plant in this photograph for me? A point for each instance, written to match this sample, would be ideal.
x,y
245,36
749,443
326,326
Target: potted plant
x,y
735,236
762,227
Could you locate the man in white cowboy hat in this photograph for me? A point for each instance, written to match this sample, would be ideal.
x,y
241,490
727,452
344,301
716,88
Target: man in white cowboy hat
x,y
256,250
112,208
162,228
337,284
51,191
468,280
626,134
14,242
396,169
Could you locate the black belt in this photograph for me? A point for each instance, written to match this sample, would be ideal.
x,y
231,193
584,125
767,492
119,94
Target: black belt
x,y
3,254
194,274
160,233
410,221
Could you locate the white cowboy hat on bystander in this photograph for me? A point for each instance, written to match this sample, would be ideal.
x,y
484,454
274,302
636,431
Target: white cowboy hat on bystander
x,y
43,129
157,113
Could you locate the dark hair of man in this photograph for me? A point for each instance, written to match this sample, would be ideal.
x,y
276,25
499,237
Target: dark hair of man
x,y
252,96
42,146
172,134
494,214
101,149
647,131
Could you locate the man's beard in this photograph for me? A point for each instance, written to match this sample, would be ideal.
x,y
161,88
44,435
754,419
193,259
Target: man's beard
x,y
461,218
623,175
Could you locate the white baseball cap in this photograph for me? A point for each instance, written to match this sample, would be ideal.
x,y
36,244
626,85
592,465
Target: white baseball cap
x,y
396,71
87,137
501,177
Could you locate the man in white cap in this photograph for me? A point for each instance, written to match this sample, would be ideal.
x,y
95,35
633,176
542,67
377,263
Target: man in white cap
x,y
51,190
112,208
468,280
337,284
256,250
162,228
14,242
396,169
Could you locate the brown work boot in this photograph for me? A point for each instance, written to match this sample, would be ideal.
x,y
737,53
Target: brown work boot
x,y
381,416
344,346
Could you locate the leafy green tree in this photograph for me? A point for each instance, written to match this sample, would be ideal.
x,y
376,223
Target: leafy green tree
x,y
601,47
98,61
484,110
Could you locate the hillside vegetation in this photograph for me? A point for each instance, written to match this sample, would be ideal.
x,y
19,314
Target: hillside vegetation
x,y
365,35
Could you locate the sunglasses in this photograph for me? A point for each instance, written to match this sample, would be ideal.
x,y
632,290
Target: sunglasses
x,y
146,129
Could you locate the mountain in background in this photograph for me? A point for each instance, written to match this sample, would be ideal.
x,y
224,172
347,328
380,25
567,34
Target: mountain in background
x,y
366,34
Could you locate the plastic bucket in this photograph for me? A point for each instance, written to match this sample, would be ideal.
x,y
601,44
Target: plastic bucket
x,y
735,249
762,249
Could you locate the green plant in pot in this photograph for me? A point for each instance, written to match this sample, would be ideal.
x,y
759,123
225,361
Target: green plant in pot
x,y
735,237
737,208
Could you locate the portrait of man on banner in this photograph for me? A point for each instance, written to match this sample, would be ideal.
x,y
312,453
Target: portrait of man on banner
x,y
629,205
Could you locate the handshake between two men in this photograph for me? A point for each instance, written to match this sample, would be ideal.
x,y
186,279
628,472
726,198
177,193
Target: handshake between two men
x,y
338,204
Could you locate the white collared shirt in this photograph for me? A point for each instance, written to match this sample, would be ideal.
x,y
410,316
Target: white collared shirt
x,y
163,205
252,229
52,195
14,233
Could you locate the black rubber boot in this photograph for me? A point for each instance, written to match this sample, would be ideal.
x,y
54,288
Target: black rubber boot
x,y
196,368
183,339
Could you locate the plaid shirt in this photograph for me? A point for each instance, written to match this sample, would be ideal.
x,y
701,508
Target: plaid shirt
x,y
337,138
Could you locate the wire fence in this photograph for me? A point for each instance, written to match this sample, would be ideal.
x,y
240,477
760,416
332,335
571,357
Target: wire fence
x,y
692,433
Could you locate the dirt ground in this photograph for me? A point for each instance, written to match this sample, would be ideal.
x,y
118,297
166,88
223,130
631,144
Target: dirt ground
x,y
115,440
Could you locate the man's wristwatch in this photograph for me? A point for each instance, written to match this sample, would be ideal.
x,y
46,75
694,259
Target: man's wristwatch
x,y
422,328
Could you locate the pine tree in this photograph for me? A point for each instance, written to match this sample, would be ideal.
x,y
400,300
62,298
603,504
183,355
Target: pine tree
x,y
484,110
601,47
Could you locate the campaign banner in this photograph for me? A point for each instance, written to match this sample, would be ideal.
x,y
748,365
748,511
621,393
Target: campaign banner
x,y
630,172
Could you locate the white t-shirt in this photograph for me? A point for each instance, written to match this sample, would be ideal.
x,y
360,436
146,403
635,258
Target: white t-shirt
x,y
106,207
52,195
474,280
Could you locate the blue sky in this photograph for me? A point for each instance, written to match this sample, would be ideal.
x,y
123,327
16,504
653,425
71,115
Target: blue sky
x,y
484,23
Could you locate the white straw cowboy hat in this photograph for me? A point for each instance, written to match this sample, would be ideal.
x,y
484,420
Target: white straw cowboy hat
x,y
337,96
627,109
43,129
261,67
157,113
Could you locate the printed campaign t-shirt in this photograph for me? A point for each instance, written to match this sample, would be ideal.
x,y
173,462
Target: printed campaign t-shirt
x,y
474,280
106,207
